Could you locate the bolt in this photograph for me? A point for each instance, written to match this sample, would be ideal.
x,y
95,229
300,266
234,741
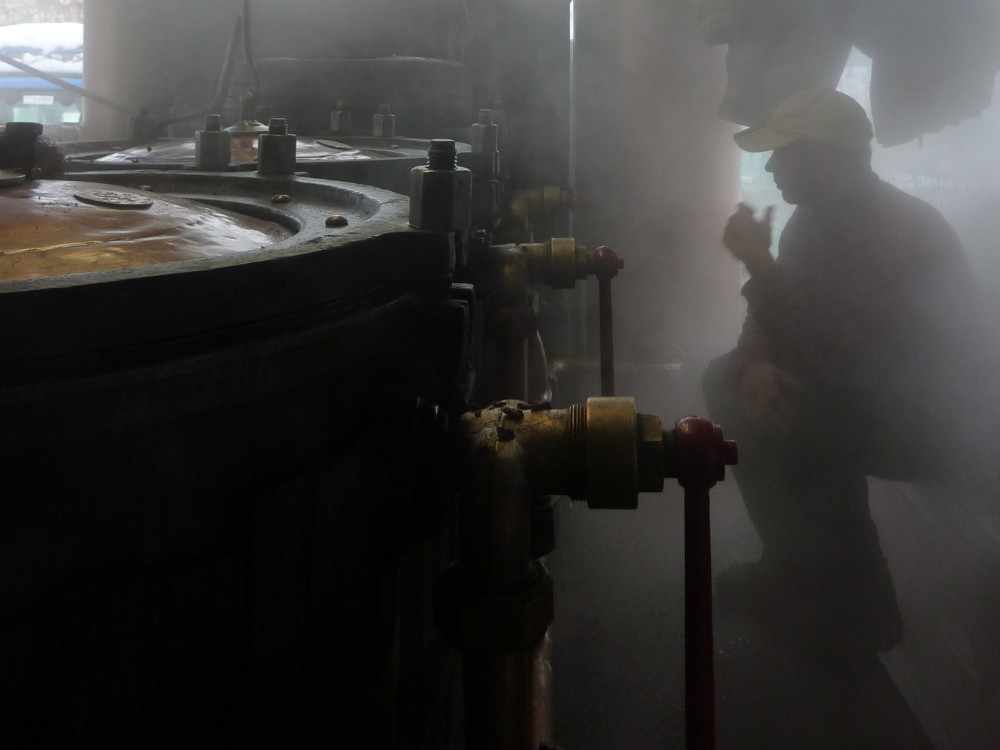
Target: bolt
x,y
280,198
516,414
336,221
213,123
442,154
278,126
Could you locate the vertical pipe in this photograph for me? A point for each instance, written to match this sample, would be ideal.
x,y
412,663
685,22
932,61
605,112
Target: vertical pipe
x,y
606,265
497,700
606,334
512,369
698,655
542,719
495,531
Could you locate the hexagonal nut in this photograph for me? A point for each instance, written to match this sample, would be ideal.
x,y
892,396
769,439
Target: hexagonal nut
x,y
484,138
340,121
440,199
649,453
383,125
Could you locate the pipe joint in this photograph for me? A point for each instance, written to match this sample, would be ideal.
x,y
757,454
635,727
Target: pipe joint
x,y
508,623
603,452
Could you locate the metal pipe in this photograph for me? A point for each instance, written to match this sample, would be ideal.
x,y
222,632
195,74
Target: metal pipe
x,y
497,700
495,531
698,635
510,321
512,368
248,51
499,610
606,337
606,267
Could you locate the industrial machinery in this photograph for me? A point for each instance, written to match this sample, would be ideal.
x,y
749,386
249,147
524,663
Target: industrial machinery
x,y
277,443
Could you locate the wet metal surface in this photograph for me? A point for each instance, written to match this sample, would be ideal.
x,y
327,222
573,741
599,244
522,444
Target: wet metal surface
x,y
54,228
9,177
307,150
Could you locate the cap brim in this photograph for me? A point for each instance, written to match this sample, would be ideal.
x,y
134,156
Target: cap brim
x,y
761,138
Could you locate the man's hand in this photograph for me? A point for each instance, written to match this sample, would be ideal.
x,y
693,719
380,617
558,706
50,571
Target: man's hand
x,y
767,393
749,240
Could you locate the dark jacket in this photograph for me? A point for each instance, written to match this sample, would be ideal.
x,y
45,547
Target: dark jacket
x,y
882,307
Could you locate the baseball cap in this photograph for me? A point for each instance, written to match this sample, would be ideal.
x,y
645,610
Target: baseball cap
x,y
820,115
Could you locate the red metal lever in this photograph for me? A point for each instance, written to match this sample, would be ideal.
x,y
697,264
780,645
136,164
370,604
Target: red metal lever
x,y
607,264
702,457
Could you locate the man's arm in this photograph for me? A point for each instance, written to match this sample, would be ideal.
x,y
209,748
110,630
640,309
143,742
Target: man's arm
x,y
765,389
749,240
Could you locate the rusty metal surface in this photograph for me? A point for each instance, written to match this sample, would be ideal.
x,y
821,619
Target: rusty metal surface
x,y
131,314
53,228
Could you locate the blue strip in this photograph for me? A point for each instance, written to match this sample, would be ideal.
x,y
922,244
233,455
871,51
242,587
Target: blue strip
x,y
29,82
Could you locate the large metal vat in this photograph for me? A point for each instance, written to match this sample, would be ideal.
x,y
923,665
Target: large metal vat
x,y
208,481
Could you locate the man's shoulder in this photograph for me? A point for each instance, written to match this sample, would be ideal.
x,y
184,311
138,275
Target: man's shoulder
x,y
897,217
887,199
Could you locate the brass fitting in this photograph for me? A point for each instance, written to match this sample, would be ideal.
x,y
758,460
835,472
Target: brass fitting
x,y
544,201
560,262
602,452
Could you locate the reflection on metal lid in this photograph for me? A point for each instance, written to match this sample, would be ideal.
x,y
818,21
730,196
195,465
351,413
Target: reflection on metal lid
x,y
9,177
307,150
54,228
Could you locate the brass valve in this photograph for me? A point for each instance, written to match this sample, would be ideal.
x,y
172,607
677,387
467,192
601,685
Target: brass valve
x,y
603,451
544,201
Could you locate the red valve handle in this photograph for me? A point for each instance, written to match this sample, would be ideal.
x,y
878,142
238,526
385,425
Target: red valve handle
x,y
607,264
702,457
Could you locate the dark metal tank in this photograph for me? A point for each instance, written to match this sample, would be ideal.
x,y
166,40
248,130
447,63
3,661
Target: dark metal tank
x,y
211,528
